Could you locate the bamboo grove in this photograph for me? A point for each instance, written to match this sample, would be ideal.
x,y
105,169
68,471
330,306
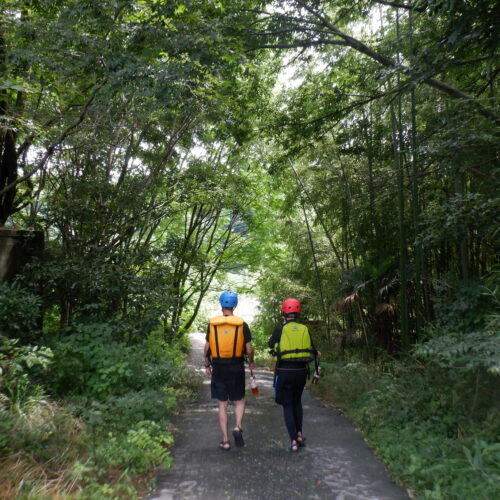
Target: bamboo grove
x,y
390,128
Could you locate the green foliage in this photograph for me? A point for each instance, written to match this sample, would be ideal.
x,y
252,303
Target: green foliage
x,y
436,428
123,398
466,333
96,289
137,452
201,322
469,350
261,331
274,287
16,363
143,111
434,209
94,362
137,220
463,305
140,448
38,439
19,311
46,440
117,413
152,440
458,216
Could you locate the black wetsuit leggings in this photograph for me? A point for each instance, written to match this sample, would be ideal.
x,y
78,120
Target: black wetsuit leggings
x,y
293,419
289,385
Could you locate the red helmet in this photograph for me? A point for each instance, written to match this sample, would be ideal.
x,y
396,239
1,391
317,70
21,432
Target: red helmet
x,y
290,306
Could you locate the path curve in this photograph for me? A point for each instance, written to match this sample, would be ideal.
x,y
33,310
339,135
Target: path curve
x,y
336,464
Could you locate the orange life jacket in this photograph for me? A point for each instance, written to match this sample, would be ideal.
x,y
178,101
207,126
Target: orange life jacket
x,y
226,337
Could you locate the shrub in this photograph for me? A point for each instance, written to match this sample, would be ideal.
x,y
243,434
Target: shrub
x,y
91,362
119,412
19,311
435,428
16,388
113,431
469,350
463,305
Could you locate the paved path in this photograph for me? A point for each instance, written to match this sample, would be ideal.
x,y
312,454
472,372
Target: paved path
x,y
336,464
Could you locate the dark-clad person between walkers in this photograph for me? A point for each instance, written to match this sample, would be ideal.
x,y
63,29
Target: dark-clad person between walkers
x,y
228,340
292,345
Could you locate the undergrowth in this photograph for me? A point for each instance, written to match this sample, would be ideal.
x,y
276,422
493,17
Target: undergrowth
x,y
436,428
106,425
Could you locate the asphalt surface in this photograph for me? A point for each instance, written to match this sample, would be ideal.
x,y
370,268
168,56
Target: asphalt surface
x,y
336,464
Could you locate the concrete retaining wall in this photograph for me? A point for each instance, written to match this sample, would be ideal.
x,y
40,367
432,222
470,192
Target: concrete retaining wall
x,y
17,247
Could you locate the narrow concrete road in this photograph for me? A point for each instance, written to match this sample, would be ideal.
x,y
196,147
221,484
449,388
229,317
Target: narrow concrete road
x,y
336,463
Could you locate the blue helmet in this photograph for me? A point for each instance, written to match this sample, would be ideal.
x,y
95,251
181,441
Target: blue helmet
x,y
228,299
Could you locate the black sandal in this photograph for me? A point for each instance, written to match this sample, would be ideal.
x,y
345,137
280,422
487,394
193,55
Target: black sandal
x,y
238,437
301,440
225,445
294,447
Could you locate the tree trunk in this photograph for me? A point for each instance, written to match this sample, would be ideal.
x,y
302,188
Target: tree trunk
x,y
403,300
320,219
326,316
8,155
415,194
463,244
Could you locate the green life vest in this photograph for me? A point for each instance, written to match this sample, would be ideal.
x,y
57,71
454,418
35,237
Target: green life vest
x,y
295,343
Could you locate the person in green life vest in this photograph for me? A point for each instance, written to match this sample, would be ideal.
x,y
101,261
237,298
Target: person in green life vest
x,y
228,339
292,345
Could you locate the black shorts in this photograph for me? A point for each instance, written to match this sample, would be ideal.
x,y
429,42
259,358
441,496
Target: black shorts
x,y
228,382
289,385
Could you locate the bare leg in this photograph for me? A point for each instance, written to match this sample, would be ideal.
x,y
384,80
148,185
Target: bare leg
x,y
223,419
239,410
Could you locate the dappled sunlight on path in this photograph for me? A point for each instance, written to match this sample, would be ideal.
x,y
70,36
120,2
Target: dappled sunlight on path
x,y
336,464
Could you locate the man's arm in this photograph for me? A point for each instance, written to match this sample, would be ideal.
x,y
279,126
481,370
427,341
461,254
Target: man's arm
x,y
206,359
250,353
206,355
248,346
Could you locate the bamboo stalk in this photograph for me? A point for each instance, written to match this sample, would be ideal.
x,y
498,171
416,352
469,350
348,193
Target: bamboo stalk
x,y
326,316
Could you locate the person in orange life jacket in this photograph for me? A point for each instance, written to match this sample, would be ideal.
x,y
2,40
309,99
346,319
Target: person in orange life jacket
x,y
228,340
292,344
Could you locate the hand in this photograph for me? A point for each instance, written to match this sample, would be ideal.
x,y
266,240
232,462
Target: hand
x,y
208,371
318,354
251,366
